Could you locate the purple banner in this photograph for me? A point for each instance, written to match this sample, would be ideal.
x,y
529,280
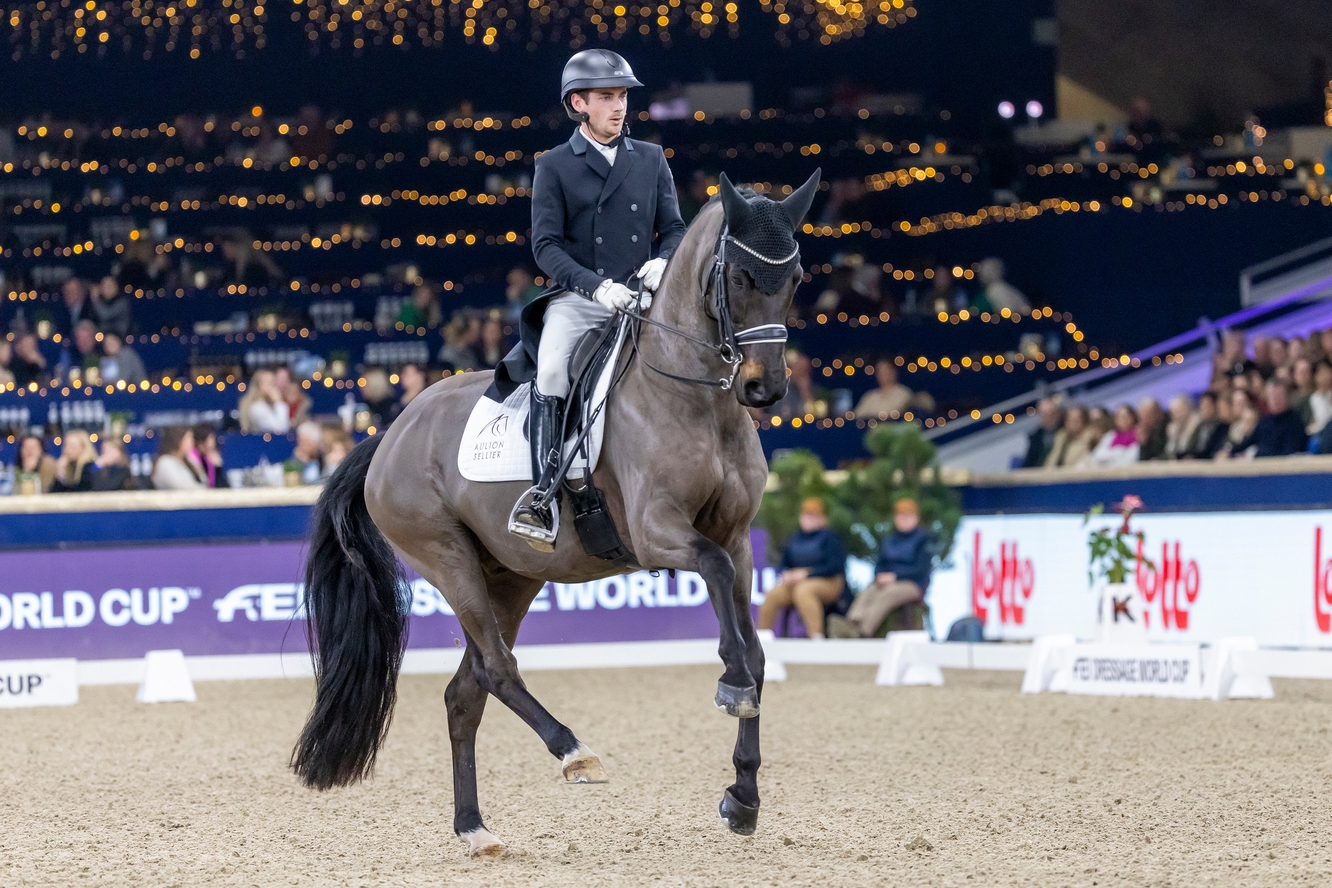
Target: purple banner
x,y
97,604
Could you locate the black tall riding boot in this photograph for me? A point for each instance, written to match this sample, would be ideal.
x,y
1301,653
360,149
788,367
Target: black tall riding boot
x,y
539,525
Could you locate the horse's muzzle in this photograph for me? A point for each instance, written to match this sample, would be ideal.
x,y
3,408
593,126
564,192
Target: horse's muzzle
x,y
757,386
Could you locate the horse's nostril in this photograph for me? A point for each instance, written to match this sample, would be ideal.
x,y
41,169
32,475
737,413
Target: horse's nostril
x,y
752,388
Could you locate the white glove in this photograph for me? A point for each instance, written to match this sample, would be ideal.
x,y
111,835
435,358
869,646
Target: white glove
x,y
616,297
650,273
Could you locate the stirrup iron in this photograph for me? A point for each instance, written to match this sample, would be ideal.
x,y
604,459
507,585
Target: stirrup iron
x,y
539,526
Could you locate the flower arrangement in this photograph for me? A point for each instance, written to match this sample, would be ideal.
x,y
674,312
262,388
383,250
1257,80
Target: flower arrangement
x,y
1111,555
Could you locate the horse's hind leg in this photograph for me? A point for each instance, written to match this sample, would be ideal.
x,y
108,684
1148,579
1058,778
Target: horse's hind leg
x,y
466,702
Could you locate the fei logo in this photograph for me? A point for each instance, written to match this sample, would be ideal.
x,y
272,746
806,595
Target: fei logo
x,y
1006,583
261,601
1165,583
1322,590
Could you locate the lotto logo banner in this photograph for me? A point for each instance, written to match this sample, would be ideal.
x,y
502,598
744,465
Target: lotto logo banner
x,y
38,683
246,599
1199,577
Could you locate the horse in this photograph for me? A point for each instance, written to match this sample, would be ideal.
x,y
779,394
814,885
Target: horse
x,y
682,471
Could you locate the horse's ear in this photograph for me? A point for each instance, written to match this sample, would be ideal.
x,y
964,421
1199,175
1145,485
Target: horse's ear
x,y
734,204
797,204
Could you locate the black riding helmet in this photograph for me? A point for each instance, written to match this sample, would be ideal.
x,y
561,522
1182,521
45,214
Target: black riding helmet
x,y
593,69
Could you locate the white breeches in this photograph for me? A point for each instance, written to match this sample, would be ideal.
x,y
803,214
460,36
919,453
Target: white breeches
x,y
567,318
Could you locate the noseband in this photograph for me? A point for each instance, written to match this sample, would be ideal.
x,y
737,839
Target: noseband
x,y
731,340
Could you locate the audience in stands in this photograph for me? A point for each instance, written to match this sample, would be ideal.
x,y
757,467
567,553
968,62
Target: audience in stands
x,y
35,471
813,572
413,381
111,307
73,472
422,310
1074,441
377,394
520,289
1210,431
120,362
297,401
1151,429
262,409
1119,446
1050,418
6,358
206,459
74,292
461,336
890,399
172,470
1280,432
1320,399
997,294
112,467
901,579
493,345
337,444
802,398
27,364
309,452
86,356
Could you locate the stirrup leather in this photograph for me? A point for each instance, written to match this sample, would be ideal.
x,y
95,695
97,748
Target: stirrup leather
x,y
540,524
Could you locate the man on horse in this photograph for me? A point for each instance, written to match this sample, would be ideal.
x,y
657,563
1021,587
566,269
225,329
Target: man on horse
x,y
600,201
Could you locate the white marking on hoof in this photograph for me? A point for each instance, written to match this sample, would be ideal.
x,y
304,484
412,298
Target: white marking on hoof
x,y
481,843
583,766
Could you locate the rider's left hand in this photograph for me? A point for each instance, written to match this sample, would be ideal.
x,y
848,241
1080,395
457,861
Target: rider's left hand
x,y
650,273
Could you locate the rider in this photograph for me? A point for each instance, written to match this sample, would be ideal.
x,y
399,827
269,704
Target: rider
x,y
599,202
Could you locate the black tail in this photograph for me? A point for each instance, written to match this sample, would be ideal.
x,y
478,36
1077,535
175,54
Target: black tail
x,y
355,598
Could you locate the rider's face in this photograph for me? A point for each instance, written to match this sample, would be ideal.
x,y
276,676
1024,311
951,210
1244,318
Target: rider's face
x,y
605,109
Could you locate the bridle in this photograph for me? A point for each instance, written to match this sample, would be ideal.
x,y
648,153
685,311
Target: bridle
x,y
731,340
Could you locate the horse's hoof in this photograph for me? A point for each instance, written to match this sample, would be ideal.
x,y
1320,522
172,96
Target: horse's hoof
x,y
741,818
583,766
739,702
482,844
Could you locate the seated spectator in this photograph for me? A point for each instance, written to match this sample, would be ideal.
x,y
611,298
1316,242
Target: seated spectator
x,y
111,308
6,358
309,452
1280,432
1050,417
460,338
172,469
112,470
120,362
1234,359
1302,388
1181,431
1243,420
813,572
1151,429
890,399
27,364
262,408
74,292
1074,442
36,470
143,268
1210,432
901,578
422,310
1119,446
413,381
73,474
297,401
1320,399
337,444
520,289
86,355
801,398
206,459
997,294
377,394
493,346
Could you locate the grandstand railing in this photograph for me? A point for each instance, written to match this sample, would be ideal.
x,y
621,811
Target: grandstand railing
x,y
1298,269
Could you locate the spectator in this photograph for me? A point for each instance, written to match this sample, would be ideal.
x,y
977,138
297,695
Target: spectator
x,y
1234,360
28,365
1320,399
1119,446
143,268
262,409
901,578
309,452
493,347
1074,441
1151,429
297,401
890,399
36,470
1042,439
77,307
206,459
86,356
1262,358
813,568
112,467
6,358
1280,432
1210,432
1243,420
945,295
72,468
120,362
997,294
520,288
1302,381
422,310
1182,430
111,308
172,469
413,381
460,337
695,194
377,394
337,444
801,398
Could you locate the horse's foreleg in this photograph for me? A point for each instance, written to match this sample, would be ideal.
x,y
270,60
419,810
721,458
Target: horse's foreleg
x,y
466,702
737,693
740,805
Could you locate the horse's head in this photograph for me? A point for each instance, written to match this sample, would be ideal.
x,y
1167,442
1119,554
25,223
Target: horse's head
x,y
762,271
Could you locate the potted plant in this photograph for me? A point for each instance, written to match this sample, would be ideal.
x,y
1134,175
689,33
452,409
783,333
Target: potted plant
x,y
291,473
1112,557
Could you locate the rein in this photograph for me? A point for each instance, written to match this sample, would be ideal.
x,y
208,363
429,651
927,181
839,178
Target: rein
x,y
732,340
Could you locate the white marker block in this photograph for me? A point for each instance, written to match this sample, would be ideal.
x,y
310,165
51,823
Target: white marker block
x,y
165,679
38,683
898,666
1045,660
1228,680
773,667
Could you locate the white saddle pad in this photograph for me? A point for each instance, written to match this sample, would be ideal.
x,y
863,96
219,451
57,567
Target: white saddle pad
x,y
494,446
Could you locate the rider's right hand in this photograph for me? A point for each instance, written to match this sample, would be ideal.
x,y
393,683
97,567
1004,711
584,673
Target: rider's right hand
x,y
616,297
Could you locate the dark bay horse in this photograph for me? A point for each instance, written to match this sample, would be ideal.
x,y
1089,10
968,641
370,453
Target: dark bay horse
x,y
683,473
